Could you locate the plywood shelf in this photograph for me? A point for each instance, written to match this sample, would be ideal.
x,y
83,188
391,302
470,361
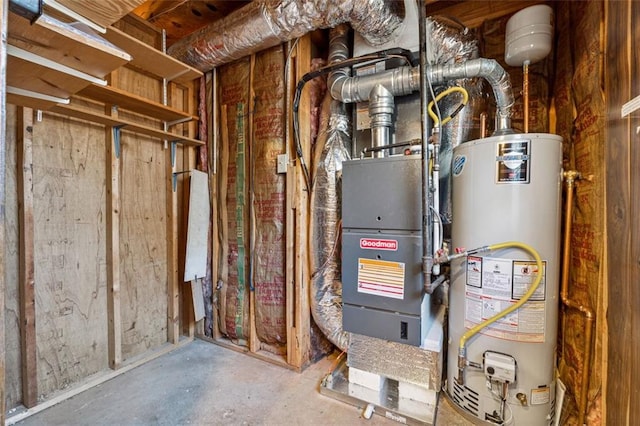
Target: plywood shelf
x,y
66,45
102,12
129,101
37,78
149,59
92,116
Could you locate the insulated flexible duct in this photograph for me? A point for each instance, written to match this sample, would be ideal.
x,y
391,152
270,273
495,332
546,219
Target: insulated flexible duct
x,y
267,23
451,43
326,196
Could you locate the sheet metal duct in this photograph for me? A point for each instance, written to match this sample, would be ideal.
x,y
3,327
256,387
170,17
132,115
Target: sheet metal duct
x,y
263,24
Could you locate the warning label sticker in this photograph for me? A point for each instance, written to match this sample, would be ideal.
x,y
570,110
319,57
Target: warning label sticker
x,y
381,278
495,284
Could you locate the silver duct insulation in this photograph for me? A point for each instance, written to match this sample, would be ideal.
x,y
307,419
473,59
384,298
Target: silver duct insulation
x,y
451,42
326,202
405,80
454,53
491,71
267,23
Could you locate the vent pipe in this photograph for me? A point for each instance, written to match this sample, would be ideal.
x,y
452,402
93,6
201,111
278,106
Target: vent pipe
x,y
266,23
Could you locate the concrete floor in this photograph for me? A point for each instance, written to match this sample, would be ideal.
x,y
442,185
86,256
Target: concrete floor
x,y
204,384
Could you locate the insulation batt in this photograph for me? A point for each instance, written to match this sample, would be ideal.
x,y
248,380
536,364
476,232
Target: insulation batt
x,y
326,195
264,24
234,292
268,199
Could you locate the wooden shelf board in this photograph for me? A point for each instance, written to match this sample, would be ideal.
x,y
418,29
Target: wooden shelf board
x,y
62,43
74,111
37,78
102,12
148,58
132,102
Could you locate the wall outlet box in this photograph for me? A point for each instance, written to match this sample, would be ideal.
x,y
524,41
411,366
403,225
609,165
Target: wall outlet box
x,y
282,161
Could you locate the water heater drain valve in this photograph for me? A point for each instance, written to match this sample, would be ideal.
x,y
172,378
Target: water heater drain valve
x,y
499,367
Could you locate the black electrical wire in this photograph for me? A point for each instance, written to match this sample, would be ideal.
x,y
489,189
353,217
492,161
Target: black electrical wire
x,y
385,55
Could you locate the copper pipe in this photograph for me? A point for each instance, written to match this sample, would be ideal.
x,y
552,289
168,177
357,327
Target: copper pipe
x,y
483,125
525,95
570,177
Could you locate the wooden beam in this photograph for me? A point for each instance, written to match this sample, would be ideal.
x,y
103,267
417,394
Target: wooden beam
x,y
154,8
112,176
4,11
213,140
623,206
27,265
302,322
189,163
173,283
474,13
290,204
254,342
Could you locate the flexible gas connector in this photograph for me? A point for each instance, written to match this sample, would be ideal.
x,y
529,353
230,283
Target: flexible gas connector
x,y
465,99
462,348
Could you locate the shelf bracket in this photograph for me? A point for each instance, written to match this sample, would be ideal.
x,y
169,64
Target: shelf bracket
x,y
174,177
173,153
116,140
178,121
36,95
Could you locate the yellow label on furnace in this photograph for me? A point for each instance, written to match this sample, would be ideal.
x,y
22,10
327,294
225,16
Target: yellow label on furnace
x,y
381,278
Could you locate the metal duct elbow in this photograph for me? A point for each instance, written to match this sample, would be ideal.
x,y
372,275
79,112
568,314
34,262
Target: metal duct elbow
x,y
398,81
490,70
266,23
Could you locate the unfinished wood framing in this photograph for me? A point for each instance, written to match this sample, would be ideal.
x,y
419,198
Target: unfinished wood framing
x,y
254,342
4,10
93,227
296,199
173,291
302,312
622,156
27,269
112,179
213,141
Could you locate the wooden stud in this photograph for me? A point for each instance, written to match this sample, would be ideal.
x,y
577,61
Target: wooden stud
x,y
27,276
254,342
112,178
302,322
173,286
289,273
189,163
4,11
212,140
622,157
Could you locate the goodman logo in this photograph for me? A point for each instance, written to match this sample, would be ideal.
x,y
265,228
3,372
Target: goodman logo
x,y
376,244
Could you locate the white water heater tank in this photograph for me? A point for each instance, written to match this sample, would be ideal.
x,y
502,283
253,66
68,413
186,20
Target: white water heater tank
x,y
506,188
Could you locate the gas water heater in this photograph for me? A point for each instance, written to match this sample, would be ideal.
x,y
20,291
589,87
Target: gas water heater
x,y
505,188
